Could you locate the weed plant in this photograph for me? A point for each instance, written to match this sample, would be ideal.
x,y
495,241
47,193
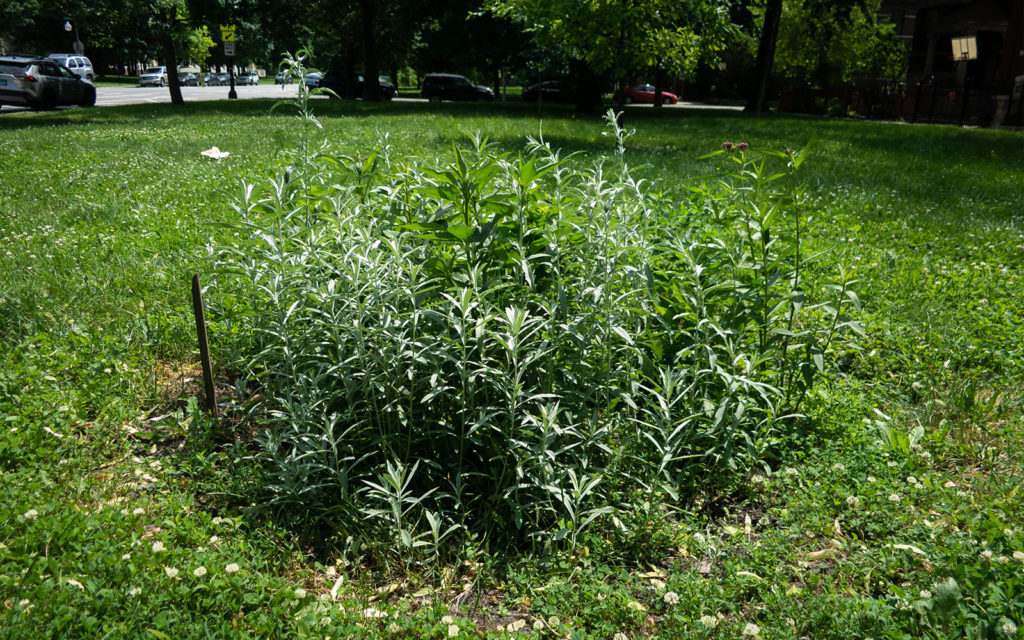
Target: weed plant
x,y
501,348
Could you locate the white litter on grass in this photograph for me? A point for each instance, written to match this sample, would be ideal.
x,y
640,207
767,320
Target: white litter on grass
x,y
215,153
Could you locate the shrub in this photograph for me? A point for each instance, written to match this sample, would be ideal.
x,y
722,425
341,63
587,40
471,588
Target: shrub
x,y
499,345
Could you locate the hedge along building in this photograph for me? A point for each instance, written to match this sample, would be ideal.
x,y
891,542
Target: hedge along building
x,y
966,60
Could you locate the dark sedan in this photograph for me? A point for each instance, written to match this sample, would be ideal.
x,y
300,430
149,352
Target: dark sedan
x,y
548,91
336,83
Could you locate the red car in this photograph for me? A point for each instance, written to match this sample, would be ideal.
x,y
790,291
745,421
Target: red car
x,y
644,93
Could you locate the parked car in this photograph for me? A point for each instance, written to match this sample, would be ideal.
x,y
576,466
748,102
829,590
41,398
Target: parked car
x,y
188,79
249,78
448,86
223,79
78,64
153,77
283,77
644,93
312,79
549,91
209,79
336,83
42,84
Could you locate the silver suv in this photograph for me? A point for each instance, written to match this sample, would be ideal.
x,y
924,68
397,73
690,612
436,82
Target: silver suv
x,y
153,77
39,83
79,65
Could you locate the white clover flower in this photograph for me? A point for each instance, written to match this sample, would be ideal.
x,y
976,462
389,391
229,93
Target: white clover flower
x,y
853,501
126,556
367,613
894,498
447,620
657,584
553,621
911,480
214,539
453,630
232,568
986,553
671,598
1018,556
158,547
199,572
838,466
757,478
871,479
171,572
139,512
300,593
709,621
1008,628
620,636
134,591
31,514
1002,559
892,464
925,594
538,625
751,630
790,471
25,604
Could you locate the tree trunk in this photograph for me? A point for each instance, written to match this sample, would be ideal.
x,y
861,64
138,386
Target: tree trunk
x,y
765,55
171,56
588,87
371,73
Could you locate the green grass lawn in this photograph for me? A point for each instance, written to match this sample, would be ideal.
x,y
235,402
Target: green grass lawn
x,y
123,508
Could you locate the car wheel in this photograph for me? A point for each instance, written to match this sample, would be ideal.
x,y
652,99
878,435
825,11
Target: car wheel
x,y
89,99
163,83
435,98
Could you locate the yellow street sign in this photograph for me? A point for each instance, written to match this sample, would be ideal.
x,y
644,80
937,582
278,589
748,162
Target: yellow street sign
x,y
227,32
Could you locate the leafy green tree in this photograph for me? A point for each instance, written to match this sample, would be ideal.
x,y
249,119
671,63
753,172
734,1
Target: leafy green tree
x,y
617,37
829,42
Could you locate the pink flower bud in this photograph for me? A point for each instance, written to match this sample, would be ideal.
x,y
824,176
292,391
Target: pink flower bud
x,y
742,146
727,146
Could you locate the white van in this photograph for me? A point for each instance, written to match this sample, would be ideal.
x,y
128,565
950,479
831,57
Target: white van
x,y
79,65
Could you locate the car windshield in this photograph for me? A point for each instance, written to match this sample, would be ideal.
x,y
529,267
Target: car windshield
x,y
153,70
6,67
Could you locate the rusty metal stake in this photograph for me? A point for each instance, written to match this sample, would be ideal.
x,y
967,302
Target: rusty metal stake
x,y
204,346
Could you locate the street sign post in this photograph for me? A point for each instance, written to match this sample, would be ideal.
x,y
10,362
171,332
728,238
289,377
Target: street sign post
x,y
227,35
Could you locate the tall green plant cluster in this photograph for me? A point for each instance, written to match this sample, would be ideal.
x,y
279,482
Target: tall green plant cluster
x,y
507,346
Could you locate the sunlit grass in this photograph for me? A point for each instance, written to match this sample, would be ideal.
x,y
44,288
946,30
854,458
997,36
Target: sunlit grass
x,y
105,213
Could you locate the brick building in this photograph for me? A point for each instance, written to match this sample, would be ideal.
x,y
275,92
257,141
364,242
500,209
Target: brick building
x,y
966,60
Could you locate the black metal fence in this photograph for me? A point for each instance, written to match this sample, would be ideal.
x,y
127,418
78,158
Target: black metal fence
x,y
928,102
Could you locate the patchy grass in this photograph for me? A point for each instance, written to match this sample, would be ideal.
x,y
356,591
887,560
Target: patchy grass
x,y
909,474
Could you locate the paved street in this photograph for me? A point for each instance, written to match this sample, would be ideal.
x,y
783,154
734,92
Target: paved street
x,y
111,96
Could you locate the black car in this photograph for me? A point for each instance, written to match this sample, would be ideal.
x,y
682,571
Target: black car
x,y
448,86
335,81
549,91
38,83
